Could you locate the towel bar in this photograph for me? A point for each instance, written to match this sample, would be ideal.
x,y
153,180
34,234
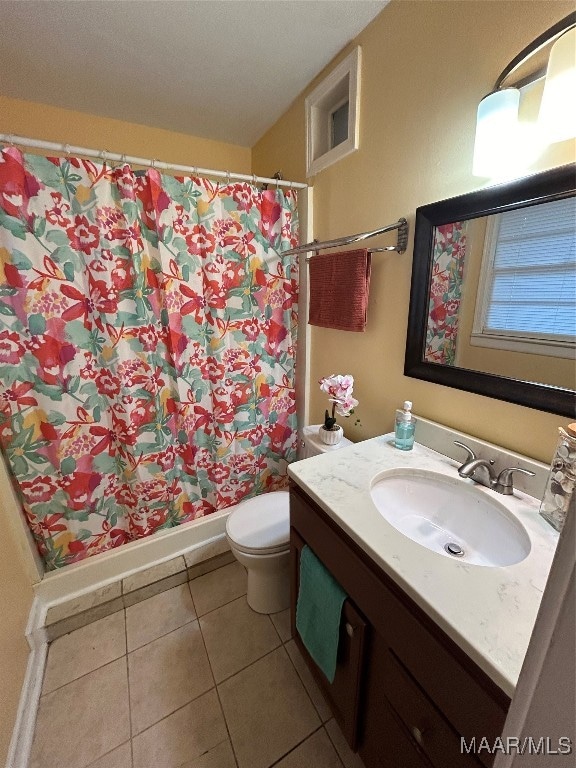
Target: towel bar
x,y
401,225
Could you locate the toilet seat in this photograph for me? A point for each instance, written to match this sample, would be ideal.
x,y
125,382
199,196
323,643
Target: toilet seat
x,y
261,525
262,551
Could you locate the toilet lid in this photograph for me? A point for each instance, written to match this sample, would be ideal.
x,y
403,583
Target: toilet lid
x,y
261,523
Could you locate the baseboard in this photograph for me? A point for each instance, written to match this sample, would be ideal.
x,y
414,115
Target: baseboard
x,y
23,733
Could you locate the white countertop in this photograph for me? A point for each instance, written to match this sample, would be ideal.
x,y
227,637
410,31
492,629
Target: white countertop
x,y
488,611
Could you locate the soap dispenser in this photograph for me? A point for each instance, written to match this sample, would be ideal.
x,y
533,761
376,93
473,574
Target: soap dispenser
x,y
405,426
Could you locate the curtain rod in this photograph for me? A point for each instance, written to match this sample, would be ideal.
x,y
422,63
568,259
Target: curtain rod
x,y
114,156
401,225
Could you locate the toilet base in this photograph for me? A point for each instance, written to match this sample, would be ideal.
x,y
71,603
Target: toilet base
x,y
268,593
268,580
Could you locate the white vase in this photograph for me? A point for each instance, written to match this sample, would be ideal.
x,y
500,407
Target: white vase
x,y
330,436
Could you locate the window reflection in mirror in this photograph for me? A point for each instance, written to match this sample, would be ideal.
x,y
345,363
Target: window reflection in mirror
x,y
503,294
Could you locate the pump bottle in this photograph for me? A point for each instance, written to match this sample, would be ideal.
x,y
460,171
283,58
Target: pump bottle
x,y
405,426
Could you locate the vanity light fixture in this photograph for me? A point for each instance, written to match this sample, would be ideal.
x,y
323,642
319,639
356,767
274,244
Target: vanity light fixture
x,y
500,137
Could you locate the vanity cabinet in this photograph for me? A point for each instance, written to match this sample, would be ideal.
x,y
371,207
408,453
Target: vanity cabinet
x,y
404,692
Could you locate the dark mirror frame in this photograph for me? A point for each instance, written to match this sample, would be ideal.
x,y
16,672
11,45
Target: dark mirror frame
x,y
544,187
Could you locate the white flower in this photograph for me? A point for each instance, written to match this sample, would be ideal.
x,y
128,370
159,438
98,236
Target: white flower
x,y
339,388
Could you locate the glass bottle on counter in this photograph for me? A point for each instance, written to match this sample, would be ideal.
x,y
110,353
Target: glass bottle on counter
x,y
404,427
559,497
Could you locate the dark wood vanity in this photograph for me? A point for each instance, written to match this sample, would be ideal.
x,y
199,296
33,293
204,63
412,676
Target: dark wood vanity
x,y
404,692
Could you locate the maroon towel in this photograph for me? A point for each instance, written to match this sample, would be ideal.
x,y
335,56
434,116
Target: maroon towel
x,y
339,284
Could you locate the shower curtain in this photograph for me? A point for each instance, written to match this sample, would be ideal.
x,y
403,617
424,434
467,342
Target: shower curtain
x,y
147,346
449,252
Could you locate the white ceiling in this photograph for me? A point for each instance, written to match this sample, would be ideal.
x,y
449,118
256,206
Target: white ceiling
x,y
221,69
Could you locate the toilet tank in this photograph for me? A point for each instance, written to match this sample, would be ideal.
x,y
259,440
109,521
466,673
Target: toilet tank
x,y
313,446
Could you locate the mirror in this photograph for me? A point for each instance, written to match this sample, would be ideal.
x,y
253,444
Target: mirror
x,y
461,277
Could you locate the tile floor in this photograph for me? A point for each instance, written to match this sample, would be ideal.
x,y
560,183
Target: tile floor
x,y
189,678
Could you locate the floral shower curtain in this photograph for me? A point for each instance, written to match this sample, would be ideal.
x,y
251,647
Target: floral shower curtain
x,y
449,252
147,345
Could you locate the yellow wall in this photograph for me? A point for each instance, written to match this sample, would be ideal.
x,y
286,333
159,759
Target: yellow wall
x,y
40,121
16,575
425,67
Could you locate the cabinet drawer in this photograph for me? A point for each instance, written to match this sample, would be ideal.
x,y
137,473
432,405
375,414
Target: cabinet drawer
x,y
394,749
427,727
343,694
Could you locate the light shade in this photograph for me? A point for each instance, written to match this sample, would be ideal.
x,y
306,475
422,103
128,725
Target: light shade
x,y
557,117
496,132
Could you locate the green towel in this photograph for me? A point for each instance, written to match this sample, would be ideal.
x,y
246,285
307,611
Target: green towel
x,y
318,612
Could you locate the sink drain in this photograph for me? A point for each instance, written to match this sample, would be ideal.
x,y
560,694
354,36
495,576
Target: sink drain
x,y
454,549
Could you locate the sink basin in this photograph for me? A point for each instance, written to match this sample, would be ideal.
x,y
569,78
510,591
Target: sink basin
x,y
450,517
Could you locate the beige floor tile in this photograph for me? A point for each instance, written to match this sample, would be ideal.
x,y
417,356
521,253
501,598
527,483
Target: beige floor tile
x,y
83,720
183,736
121,757
282,623
235,636
267,710
84,650
220,756
166,674
349,758
218,587
309,683
317,752
199,569
158,615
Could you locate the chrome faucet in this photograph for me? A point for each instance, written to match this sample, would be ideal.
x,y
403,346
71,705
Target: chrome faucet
x,y
482,471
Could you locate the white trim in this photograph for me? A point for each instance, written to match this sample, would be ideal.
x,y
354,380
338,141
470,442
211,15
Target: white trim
x,y
23,733
526,345
319,106
306,210
486,267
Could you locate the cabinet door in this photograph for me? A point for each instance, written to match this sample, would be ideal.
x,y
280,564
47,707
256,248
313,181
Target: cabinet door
x,y
343,695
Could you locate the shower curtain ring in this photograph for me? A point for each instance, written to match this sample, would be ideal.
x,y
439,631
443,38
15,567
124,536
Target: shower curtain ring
x,y
227,177
10,138
153,163
67,150
104,155
123,158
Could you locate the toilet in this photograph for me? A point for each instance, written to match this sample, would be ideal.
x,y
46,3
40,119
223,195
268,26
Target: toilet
x,y
258,531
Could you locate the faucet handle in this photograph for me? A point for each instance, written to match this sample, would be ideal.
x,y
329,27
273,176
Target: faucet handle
x,y
504,482
471,454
